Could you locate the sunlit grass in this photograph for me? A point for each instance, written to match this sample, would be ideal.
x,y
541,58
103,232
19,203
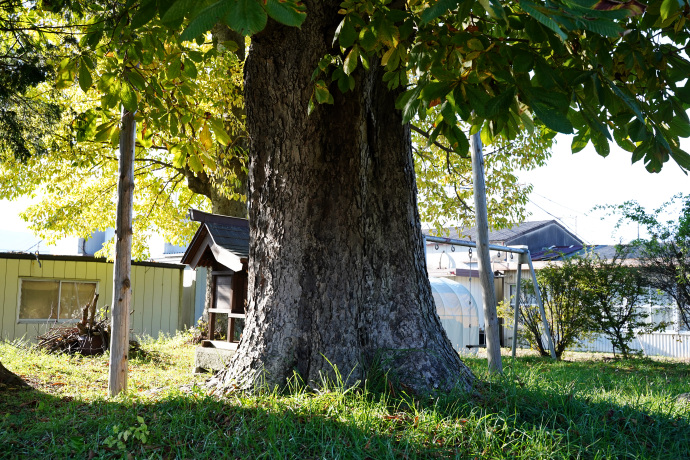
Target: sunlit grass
x,y
538,409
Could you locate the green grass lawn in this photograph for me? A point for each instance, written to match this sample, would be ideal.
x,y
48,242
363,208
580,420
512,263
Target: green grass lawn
x,y
579,408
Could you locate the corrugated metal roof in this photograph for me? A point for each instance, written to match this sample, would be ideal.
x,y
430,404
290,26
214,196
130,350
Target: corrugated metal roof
x,y
504,234
604,251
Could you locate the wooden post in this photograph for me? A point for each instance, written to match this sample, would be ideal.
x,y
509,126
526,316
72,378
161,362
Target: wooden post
x,y
486,276
122,290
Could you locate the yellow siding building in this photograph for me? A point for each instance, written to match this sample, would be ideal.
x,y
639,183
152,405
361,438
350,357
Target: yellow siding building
x,y
35,294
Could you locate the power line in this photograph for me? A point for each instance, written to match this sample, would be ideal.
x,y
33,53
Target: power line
x,y
558,219
561,205
32,246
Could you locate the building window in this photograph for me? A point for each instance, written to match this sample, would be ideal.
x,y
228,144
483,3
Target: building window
x,y
55,300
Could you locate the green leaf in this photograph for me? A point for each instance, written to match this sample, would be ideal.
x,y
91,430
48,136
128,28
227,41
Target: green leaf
x,y
601,144
627,99
179,156
387,33
174,69
350,63
103,131
323,96
682,158
195,163
177,11
346,33
219,130
434,90
408,103
684,92
494,8
501,102
128,97
552,118
669,7
637,131
190,69
438,8
523,62
85,80
535,11
679,127
603,27
475,44
246,17
457,139
580,141
623,142
136,80
591,117
146,11
289,12
206,19
196,56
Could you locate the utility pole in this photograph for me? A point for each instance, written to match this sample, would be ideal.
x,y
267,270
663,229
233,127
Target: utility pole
x,y
122,289
486,276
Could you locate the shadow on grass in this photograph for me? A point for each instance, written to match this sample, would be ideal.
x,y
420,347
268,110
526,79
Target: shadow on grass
x,y
39,425
537,414
619,409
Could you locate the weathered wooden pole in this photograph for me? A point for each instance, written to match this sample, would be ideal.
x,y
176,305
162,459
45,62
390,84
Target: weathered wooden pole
x,y
122,289
486,276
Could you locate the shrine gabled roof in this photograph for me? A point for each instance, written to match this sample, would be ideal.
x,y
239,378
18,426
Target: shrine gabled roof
x,y
220,239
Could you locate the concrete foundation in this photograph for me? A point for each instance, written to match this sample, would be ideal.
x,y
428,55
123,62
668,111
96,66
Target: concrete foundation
x,y
213,355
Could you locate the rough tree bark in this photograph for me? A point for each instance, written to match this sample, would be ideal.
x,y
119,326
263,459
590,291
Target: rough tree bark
x,y
336,271
9,378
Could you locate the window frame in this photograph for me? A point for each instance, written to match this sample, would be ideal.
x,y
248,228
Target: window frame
x,y
54,280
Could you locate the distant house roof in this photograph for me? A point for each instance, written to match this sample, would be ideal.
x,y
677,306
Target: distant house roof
x,y
220,239
536,235
604,251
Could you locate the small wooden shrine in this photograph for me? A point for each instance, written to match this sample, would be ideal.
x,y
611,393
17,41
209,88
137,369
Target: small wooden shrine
x,y
222,244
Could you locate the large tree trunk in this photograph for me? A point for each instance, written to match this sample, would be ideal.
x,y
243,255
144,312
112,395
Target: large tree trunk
x,y
337,275
9,378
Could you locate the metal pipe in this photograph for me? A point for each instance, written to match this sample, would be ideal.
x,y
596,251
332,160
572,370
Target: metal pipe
x,y
516,316
472,244
541,308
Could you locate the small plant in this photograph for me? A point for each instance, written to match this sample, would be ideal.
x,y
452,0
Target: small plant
x,y
120,437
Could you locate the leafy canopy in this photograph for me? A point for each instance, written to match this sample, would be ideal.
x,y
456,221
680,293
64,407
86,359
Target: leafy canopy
x,y
665,255
188,106
604,70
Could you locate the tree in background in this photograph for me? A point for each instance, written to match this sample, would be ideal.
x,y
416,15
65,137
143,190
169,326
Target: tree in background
x,y
665,255
191,143
616,291
444,177
26,60
563,288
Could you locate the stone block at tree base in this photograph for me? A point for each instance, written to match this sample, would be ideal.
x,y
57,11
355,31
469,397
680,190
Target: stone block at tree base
x,y
213,355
